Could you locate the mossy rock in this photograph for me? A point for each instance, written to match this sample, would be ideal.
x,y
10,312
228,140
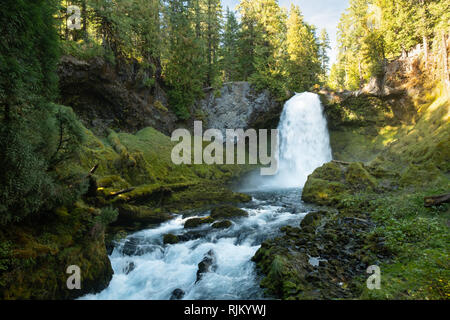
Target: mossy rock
x,y
323,192
222,224
315,218
170,238
130,214
195,222
227,212
112,181
358,177
330,171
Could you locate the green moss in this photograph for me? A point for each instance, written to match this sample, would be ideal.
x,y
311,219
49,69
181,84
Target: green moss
x,y
358,177
143,215
195,222
158,105
226,212
323,192
222,224
39,253
170,239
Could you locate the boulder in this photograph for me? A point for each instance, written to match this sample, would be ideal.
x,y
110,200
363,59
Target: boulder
x,y
195,222
208,264
222,224
170,239
226,212
314,219
129,267
177,294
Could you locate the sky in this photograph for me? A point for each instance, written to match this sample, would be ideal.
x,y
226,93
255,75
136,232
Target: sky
x,y
321,13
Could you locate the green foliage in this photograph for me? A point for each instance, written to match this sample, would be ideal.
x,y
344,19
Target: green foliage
x,y
304,65
36,135
419,238
371,31
230,48
108,215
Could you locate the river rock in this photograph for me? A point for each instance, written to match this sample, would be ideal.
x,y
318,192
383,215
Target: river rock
x,y
195,222
170,239
129,267
226,212
222,224
177,294
208,264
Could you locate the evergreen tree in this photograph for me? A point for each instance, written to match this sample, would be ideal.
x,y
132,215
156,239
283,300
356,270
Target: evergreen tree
x,y
230,48
35,135
303,65
184,56
324,46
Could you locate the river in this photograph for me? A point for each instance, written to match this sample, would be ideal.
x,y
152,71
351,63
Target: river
x,y
145,268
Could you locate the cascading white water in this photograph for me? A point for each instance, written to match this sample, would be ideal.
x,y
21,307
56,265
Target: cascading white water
x,y
304,140
304,145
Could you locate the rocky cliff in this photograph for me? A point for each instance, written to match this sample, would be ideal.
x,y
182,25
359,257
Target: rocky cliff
x,y
106,95
239,105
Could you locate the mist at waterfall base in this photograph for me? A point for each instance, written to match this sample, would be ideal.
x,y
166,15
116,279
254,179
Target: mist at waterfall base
x,y
304,145
146,268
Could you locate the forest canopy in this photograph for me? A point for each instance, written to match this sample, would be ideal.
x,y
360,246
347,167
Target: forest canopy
x,y
372,32
195,44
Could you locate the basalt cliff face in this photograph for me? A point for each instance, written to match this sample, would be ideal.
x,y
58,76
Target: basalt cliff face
x,y
239,105
106,95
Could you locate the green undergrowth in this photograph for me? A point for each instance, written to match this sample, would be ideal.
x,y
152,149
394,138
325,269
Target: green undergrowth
x,y
142,163
413,162
418,239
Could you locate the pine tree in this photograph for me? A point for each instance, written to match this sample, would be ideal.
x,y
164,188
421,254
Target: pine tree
x,y
324,46
230,48
303,65
35,135
184,56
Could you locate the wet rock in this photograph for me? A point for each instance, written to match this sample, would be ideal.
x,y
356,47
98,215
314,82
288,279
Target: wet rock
x,y
129,267
314,218
130,246
208,264
227,212
222,224
170,239
177,294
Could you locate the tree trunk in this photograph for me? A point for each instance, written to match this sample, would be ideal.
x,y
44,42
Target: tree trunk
x,y
425,49
445,60
85,19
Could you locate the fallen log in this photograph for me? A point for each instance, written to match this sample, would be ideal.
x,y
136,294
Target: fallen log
x,y
345,163
115,194
436,200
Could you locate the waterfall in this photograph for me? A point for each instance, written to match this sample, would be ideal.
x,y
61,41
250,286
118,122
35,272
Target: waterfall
x,y
304,145
304,140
